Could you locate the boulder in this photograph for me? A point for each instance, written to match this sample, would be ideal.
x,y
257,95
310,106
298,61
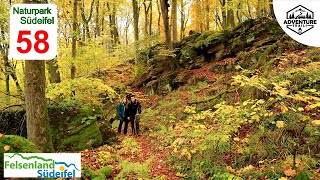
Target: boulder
x,y
75,129
16,144
72,128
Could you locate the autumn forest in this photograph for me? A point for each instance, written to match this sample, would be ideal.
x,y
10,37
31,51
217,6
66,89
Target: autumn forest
x,y
166,89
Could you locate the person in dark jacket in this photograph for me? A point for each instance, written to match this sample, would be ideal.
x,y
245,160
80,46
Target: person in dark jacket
x,y
134,111
121,109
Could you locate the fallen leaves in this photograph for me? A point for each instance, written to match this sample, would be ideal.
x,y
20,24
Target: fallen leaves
x,y
283,108
316,122
6,148
289,172
2,135
280,124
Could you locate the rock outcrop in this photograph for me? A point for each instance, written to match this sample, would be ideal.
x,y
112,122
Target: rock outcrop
x,y
249,43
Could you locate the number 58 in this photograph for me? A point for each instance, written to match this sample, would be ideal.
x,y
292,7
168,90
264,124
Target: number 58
x,y
36,44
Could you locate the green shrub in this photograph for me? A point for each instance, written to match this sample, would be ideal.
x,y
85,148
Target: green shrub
x,y
135,170
100,174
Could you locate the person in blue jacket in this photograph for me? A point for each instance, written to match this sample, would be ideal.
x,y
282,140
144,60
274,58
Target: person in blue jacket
x,y
121,110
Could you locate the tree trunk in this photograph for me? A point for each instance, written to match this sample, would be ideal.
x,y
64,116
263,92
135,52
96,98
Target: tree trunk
x,y
102,19
224,15
15,79
182,19
7,74
97,33
126,35
74,38
165,17
207,15
4,51
238,12
159,17
146,14
230,15
53,71
38,128
135,20
115,29
112,22
150,19
271,9
87,20
174,21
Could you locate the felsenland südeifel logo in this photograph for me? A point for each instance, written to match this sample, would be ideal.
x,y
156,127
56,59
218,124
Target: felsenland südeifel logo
x,y
42,165
300,19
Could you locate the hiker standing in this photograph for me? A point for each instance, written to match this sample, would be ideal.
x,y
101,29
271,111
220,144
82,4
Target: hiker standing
x,y
121,109
134,109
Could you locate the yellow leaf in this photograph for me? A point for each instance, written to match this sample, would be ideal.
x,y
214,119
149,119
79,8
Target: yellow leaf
x,y
298,97
236,139
300,109
280,124
290,172
180,174
2,135
283,108
283,91
185,125
189,157
230,169
283,178
202,126
6,148
193,151
316,122
307,108
234,84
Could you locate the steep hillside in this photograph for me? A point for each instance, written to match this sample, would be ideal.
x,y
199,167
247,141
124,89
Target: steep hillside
x,y
241,104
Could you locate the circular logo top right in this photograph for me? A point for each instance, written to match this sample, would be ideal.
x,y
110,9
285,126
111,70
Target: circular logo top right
x,y
300,19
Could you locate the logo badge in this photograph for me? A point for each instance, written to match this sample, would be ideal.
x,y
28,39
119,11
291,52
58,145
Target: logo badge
x,y
33,32
299,19
42,165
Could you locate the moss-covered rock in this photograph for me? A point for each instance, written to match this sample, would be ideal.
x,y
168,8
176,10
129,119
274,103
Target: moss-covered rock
x,y
253,43
17,144
75,128
108,134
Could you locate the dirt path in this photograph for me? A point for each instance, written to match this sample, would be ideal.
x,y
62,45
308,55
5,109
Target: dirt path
x,y
125,152
121,151
159,165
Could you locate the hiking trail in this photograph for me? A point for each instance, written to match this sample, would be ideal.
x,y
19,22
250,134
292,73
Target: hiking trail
x,y
131,154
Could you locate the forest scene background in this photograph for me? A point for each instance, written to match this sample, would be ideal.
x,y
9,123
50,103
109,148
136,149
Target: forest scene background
x,y
226,94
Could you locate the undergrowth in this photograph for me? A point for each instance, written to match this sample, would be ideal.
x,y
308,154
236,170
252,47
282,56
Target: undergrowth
x,y
270,132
